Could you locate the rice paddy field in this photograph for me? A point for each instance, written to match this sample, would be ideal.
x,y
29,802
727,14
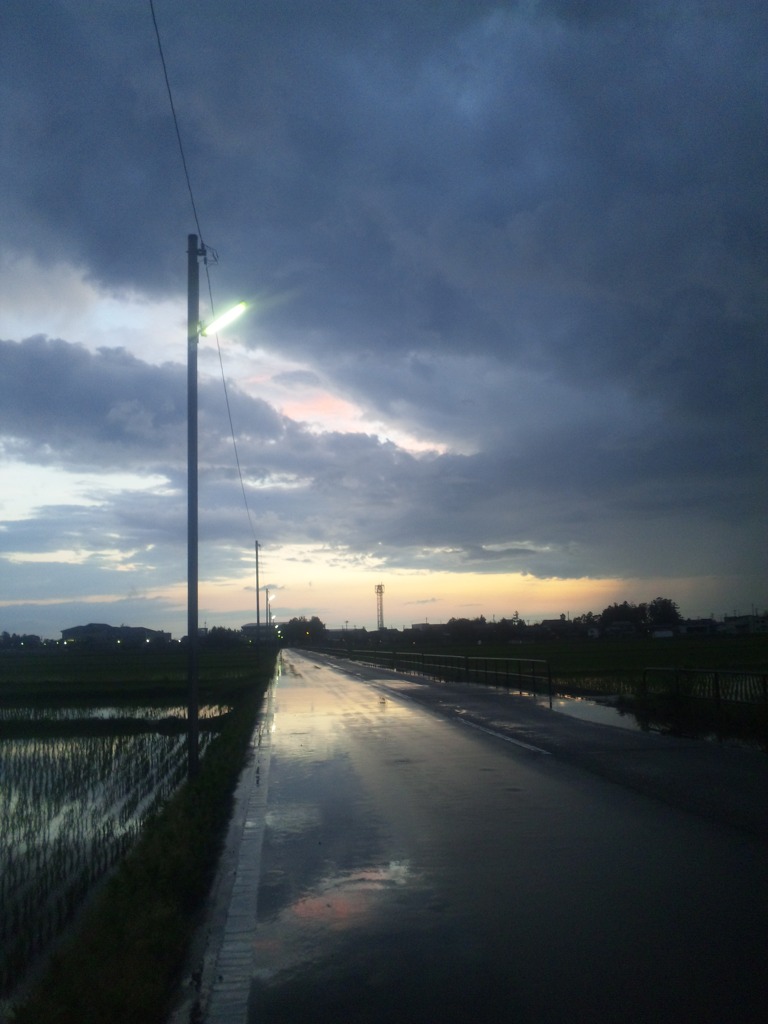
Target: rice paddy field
x,y
71,804
88,753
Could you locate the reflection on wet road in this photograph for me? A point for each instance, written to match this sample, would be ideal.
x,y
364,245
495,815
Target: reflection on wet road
x,y
415,871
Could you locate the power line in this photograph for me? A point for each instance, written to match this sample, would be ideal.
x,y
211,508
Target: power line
x,y
232,428
176,122
208,256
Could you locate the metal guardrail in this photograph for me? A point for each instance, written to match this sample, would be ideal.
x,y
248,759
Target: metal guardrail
x,y
704,684
526,675
534,675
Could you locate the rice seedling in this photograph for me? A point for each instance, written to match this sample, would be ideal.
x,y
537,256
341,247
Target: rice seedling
x,y
70,807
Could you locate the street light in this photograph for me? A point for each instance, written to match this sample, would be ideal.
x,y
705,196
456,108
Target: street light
x,y
194,330
223,321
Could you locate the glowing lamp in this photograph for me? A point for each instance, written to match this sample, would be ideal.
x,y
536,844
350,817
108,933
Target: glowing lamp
x,y
222,321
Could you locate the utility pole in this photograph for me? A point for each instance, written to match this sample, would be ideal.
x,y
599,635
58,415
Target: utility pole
x,y
193,638
194,330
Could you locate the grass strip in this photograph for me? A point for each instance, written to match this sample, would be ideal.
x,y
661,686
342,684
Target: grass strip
x,y
125,960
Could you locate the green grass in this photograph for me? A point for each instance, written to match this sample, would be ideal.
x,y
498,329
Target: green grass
x,y
123,964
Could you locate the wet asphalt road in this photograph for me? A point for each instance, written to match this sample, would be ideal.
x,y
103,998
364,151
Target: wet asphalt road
x,y
397,865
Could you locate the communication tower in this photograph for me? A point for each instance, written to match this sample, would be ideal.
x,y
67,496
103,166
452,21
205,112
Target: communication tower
x,y
379,588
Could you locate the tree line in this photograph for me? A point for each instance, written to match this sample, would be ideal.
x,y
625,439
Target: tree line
x,y
661,611
624,617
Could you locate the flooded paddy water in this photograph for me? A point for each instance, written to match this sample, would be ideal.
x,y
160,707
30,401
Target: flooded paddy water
x,y
76,785
602,712
737,725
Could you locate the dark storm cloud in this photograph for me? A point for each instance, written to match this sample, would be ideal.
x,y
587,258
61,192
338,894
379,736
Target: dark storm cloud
x,y
64,405
534,232
61,399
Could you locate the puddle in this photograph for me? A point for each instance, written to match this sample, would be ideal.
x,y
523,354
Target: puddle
x,y
589,711
606,714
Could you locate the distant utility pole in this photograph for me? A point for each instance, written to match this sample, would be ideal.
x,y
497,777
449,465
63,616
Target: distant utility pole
x,y
258,602
379,605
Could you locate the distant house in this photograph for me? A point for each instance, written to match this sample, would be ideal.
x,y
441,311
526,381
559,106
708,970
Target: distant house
x,y
557,627
346,631
259,630
429,628
99,634
424,632
699,627
621,627
743,625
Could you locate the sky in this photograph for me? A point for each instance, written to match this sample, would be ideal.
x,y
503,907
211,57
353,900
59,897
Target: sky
x,y
505,348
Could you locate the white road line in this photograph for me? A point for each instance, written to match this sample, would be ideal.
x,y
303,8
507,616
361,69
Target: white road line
x,y
502,736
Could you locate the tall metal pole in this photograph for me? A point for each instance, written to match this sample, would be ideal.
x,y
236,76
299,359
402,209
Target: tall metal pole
x,y
258,602
193,636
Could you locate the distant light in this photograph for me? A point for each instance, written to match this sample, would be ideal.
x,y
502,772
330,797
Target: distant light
x,y
221,321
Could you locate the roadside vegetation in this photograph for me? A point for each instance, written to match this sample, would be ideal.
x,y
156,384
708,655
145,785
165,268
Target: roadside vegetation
x,y
122,959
